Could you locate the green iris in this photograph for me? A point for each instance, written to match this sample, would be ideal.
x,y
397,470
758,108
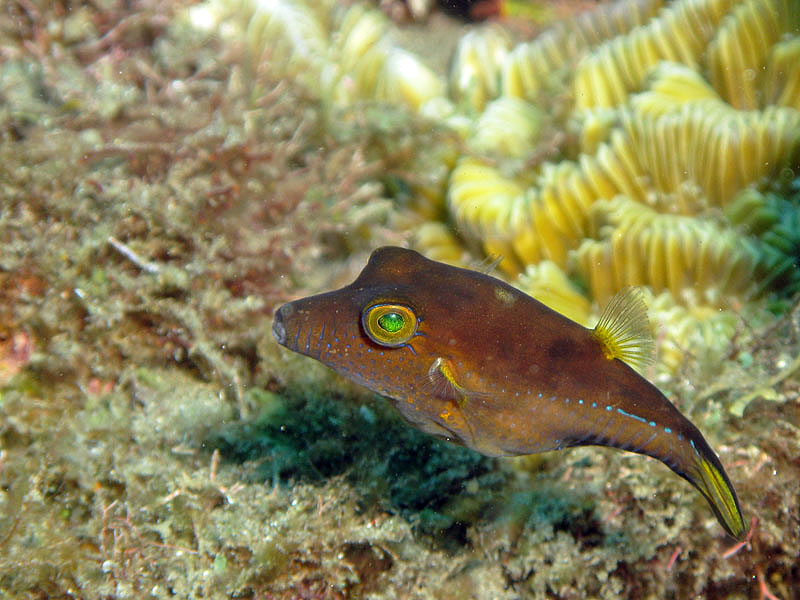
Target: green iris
x,y
390,325
391,322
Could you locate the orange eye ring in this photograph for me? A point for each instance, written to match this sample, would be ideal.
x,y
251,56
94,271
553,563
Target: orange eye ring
x,y
389,325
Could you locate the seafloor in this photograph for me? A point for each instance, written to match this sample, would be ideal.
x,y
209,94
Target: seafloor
x,y
157,202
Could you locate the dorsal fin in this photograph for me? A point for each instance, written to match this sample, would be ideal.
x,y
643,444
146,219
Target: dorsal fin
x,y
624,329
489,264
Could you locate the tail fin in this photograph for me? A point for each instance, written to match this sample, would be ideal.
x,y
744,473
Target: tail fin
x,y
709,477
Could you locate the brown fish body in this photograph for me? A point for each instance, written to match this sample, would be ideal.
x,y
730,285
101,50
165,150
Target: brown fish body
x,y
496,370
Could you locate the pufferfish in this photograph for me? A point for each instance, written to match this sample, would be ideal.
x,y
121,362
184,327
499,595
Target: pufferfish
x,y
468,358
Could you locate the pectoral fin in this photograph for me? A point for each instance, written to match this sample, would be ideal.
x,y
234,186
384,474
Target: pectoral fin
x,y
453,403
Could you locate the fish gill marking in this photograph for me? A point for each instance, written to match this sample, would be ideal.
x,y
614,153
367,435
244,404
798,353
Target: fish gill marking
x,y
636,446
296,338
630,444
318,348
672,463
589,435
621,430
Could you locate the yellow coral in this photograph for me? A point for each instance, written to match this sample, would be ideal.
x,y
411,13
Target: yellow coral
x,y
345,54
740,49
733,37
700,332
696,260
670,86
681,149
594,128
616,68
368,66
288,35
362,48
548,283
535,65
481,199
782,79
548,219
476,65
405,78
438,242
702,153
508,127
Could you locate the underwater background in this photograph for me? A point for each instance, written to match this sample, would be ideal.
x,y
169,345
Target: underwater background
x,y
170,173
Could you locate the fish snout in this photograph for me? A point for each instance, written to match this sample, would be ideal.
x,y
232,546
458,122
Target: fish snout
x,y
279,323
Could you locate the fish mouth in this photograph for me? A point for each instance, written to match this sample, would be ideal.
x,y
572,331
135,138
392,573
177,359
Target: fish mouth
x,y
278,326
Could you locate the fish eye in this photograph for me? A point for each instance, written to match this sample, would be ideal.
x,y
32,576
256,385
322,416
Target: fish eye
x,y
389,325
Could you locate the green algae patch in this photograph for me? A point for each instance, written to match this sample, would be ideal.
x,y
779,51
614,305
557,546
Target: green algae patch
x,y
177,408
316,438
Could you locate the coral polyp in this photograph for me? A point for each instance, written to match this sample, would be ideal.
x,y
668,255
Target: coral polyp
x,y
475,72
680,33
782,79
698,260
743,45
344,53
546,62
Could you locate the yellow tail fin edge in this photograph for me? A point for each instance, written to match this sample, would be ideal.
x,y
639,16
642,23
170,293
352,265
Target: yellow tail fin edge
x,y
723,501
